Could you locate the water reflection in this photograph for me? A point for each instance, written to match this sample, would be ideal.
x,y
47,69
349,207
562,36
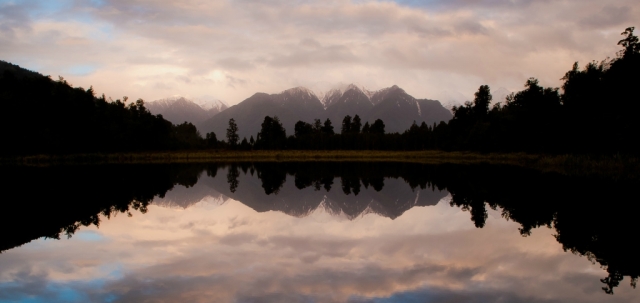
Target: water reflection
x,y
420,253
311,188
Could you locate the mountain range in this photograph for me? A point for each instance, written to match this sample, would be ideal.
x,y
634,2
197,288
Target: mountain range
x,y
392,105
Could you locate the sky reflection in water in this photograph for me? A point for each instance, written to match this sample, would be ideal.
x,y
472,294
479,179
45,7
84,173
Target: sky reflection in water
x,y
198,245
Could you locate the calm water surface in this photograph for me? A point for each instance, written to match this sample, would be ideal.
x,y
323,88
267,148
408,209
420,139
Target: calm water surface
x,y
315,232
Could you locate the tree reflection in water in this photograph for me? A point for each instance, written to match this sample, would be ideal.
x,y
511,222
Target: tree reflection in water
x,y
591,217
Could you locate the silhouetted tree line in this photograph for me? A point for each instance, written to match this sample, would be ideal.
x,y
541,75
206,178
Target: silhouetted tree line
x,y
321,136
595,113
40,115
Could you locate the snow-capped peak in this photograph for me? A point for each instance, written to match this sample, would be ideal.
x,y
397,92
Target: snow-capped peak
x,y
299,90
374,96
211,104
206,103
344,88
500,95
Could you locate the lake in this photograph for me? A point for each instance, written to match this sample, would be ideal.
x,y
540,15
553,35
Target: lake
x,y
315,232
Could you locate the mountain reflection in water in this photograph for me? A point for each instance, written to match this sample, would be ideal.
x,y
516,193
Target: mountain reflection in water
x,y
590,218
333,187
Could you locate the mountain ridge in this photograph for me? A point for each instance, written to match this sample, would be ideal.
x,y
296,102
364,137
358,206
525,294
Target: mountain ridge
x,y
392,105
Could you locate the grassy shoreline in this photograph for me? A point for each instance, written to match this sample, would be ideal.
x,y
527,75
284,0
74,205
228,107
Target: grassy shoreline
x,y
614,166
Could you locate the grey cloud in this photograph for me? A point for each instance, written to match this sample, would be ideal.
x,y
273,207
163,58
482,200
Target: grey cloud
x,y
235,222
14,17
466,26
485,4
231,63
237,239
310,43
430,31
371,20
167,12
146,60
275,298
189,225
609,16
174,289
184,79
310,257
440,295
333,54
323,247
411,269
25,282
162,86
472,27
271,285
422,272
233,82
320,286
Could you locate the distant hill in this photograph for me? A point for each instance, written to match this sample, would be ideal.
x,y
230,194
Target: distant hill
x,y
180,109
393,105
17,71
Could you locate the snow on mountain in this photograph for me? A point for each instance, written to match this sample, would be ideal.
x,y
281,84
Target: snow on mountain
x,y
331,97
297,97
375,96
206,102
500,95
179,109
334,94
300,91
211,104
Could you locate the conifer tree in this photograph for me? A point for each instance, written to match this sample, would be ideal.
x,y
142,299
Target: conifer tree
x,y
232,133
346,125
482,100
365,128
377,127
327,129
356,124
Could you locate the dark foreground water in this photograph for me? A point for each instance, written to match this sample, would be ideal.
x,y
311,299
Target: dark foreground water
x,y
315,232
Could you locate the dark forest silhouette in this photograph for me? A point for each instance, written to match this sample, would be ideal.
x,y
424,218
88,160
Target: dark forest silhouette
x,y
594,113
43,116
60,199
597,223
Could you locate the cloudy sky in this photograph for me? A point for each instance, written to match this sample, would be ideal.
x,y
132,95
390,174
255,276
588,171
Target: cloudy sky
x,y
438,49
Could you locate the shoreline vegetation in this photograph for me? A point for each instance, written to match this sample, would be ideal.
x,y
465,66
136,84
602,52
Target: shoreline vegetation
x,y
612,167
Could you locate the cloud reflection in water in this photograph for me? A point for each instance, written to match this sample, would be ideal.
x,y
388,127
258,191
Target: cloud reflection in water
x,y
430,254
223,250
